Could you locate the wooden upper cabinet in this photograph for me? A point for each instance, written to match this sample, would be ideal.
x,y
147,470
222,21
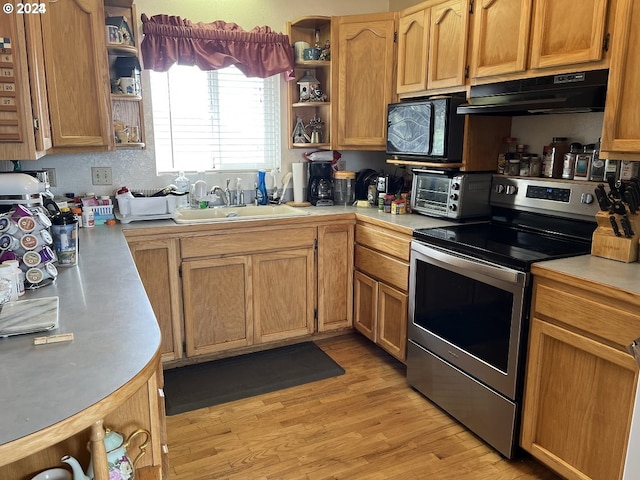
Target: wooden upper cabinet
x,y
567,32
77,74
449,25
365,79
500,42
620,132
413,50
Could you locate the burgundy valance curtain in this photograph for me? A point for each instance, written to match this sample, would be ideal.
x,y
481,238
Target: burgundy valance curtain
x,y
211,46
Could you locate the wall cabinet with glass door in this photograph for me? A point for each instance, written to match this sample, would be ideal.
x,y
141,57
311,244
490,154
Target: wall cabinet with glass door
x,y
512,37
432,46
307,110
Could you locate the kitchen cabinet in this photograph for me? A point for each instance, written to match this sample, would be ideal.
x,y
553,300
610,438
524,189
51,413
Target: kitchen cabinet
x,y
304,30
522,37
158,262
620,134
335,276
500,41
432,47
25,132
381,285
580,381
242,288
364,78
77,75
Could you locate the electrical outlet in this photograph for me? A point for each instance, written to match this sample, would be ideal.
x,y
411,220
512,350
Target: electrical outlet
x,y
51,173
101,176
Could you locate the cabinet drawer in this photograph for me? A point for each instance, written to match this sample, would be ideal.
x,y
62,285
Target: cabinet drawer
x,y
605,321
377,239
382,267
250,241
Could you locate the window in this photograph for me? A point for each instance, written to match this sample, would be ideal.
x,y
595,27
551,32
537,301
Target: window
x,y
218,120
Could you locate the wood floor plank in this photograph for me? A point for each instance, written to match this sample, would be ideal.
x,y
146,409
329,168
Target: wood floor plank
x,y
365,424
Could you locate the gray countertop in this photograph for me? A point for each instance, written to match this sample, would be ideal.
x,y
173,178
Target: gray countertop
x,y
102,301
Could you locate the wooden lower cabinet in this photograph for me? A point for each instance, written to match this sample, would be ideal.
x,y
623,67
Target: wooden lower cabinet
x,y
158,264
580,381
380,314
381,285
218,312
335,277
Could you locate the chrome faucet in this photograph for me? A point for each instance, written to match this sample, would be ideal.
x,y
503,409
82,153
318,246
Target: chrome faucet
x,y
228,194
222,194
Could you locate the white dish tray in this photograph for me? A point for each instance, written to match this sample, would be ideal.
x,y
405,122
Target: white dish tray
x,y
28,316
136,218
146,206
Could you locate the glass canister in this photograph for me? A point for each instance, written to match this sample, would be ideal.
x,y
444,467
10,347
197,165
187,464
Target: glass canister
x,y
345,188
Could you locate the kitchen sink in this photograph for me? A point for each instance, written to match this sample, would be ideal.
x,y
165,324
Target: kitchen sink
x,y
221,214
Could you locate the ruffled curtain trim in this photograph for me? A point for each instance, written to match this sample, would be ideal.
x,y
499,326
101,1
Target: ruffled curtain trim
x,y
211,46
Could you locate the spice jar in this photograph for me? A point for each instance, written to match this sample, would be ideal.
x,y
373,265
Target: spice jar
x,y
513,167
569,163
534,166
554,157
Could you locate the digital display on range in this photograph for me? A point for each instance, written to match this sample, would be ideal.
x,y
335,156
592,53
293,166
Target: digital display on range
x,y
549,193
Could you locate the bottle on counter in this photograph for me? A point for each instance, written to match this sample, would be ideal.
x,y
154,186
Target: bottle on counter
x,y
184,186
65,238
261,190
569,162
554,157
596,174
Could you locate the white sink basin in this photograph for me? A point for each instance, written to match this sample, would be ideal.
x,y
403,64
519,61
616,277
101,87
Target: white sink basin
x,y
222,214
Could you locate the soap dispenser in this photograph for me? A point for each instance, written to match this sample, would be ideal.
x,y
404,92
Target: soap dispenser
x,y
183,184
261,192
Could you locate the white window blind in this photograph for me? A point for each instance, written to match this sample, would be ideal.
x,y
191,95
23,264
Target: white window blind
x,y
216,120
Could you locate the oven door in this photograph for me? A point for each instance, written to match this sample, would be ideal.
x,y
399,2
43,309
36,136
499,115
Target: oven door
x,y
470,313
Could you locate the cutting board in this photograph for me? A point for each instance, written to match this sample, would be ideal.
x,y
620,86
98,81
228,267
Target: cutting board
x,y
28,316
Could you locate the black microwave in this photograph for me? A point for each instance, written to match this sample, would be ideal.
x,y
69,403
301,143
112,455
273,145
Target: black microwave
x,y
428,130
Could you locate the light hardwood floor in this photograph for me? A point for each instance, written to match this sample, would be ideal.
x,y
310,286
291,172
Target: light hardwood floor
x,y
365,424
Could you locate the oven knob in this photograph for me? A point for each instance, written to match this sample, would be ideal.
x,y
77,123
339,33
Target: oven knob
x,y
453,207
586,198
455,186
499,188
453,196
511,190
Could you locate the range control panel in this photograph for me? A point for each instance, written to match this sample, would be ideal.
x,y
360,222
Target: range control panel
x,y
565,198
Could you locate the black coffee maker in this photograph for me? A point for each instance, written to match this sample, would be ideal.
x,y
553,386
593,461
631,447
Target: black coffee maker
x,y
320,189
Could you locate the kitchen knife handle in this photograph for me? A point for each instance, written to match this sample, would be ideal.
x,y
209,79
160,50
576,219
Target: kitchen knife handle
x,y
630,200
626,226
601,196
614,225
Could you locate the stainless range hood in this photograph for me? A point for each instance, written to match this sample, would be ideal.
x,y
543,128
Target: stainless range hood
x,y
565,93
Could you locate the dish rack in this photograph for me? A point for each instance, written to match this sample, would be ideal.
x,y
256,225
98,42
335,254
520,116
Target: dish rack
x,y
101,213
145,207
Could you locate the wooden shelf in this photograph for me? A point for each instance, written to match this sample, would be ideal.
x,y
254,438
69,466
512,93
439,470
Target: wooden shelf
x,y
130,146
123,97
312,145
122,50
310,104
312,63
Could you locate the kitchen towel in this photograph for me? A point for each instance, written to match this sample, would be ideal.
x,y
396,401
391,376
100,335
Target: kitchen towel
x,y
299,181
220,381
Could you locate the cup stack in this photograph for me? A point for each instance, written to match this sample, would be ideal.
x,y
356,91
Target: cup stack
x,y
25,237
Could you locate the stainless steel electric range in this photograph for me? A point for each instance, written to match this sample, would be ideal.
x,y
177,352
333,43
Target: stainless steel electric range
x,y
470,296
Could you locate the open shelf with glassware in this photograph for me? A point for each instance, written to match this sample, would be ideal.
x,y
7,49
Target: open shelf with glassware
x,y
310,94
123,47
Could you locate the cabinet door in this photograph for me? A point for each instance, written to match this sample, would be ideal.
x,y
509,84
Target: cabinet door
x,y
566,32
392,321
217,296
283,294
500,37
578,403
77,73
365,299
366,69
335,277
620,131
413,41
158,262
448,44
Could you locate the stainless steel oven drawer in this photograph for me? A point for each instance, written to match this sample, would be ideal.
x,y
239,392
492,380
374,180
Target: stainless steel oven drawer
x,y
486,413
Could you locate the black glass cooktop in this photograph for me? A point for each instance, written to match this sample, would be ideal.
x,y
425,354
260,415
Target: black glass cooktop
x,y
504,244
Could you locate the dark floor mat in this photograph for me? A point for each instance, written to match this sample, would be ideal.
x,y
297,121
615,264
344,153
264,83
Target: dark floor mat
x,y
212,383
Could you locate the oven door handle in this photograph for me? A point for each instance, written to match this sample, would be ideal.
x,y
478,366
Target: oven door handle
x,y
471,264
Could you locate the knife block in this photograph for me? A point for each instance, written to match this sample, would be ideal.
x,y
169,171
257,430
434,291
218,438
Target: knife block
x,y
606,244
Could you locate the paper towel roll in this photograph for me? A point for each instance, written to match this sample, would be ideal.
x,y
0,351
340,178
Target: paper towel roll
x,y
299,181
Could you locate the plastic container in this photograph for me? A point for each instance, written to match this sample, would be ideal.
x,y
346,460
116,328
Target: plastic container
x,y
554,157
65,239
344,188
8,284
184,186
